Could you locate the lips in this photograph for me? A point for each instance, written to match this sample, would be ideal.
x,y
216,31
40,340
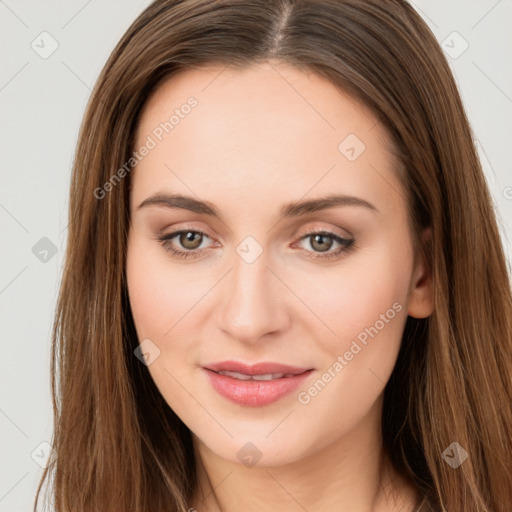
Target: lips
x,y
255,385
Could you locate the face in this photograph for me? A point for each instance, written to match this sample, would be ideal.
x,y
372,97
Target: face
x,y
252,275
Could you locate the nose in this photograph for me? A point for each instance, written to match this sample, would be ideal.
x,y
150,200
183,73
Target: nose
x,y
252,304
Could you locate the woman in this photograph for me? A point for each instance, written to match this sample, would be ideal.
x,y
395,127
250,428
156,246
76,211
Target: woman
x,y
284,282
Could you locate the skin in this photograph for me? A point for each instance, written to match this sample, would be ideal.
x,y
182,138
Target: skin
x,y
259,138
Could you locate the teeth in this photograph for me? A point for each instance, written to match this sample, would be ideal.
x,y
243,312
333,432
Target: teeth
x,y
235,375
241,376
268,376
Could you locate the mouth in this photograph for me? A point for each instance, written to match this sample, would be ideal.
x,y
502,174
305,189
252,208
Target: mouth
x,y
255,385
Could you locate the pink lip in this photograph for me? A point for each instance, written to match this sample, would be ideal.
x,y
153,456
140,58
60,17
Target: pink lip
x,y
254,393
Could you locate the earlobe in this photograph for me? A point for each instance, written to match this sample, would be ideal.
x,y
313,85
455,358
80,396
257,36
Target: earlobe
x,y
421,297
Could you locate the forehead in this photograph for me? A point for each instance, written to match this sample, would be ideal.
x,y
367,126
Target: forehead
x,y
258,98
269,125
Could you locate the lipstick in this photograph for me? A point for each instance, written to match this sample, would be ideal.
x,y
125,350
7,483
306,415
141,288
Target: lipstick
x,y
255,385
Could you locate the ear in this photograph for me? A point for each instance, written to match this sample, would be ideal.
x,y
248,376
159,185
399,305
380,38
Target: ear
x,y
421,297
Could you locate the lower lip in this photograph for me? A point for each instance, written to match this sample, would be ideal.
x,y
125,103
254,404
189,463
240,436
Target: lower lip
x,y
255,393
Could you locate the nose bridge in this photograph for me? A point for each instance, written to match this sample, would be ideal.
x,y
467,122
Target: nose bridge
x,y
249,308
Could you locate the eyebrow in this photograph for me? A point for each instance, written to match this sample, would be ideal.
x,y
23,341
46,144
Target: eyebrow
x,y
293,209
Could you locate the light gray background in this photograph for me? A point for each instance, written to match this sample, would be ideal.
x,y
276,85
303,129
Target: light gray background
x,y
42,102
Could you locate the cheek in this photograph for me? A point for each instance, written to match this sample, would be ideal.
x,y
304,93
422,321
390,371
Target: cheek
x,y
365,304
367,289
160,293
158,301
160,298
151,300
167,304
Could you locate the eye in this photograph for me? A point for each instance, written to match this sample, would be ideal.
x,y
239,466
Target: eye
x,y
322,241
190,240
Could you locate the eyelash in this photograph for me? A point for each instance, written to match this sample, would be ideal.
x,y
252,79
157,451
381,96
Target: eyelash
x,y
346,244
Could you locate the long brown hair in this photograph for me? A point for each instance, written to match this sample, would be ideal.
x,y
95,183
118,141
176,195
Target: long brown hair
x,y
117,444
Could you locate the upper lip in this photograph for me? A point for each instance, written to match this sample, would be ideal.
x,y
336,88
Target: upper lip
x,y
255,369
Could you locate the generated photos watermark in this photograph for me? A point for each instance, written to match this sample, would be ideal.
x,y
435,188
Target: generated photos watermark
x,y
152,141
305,397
